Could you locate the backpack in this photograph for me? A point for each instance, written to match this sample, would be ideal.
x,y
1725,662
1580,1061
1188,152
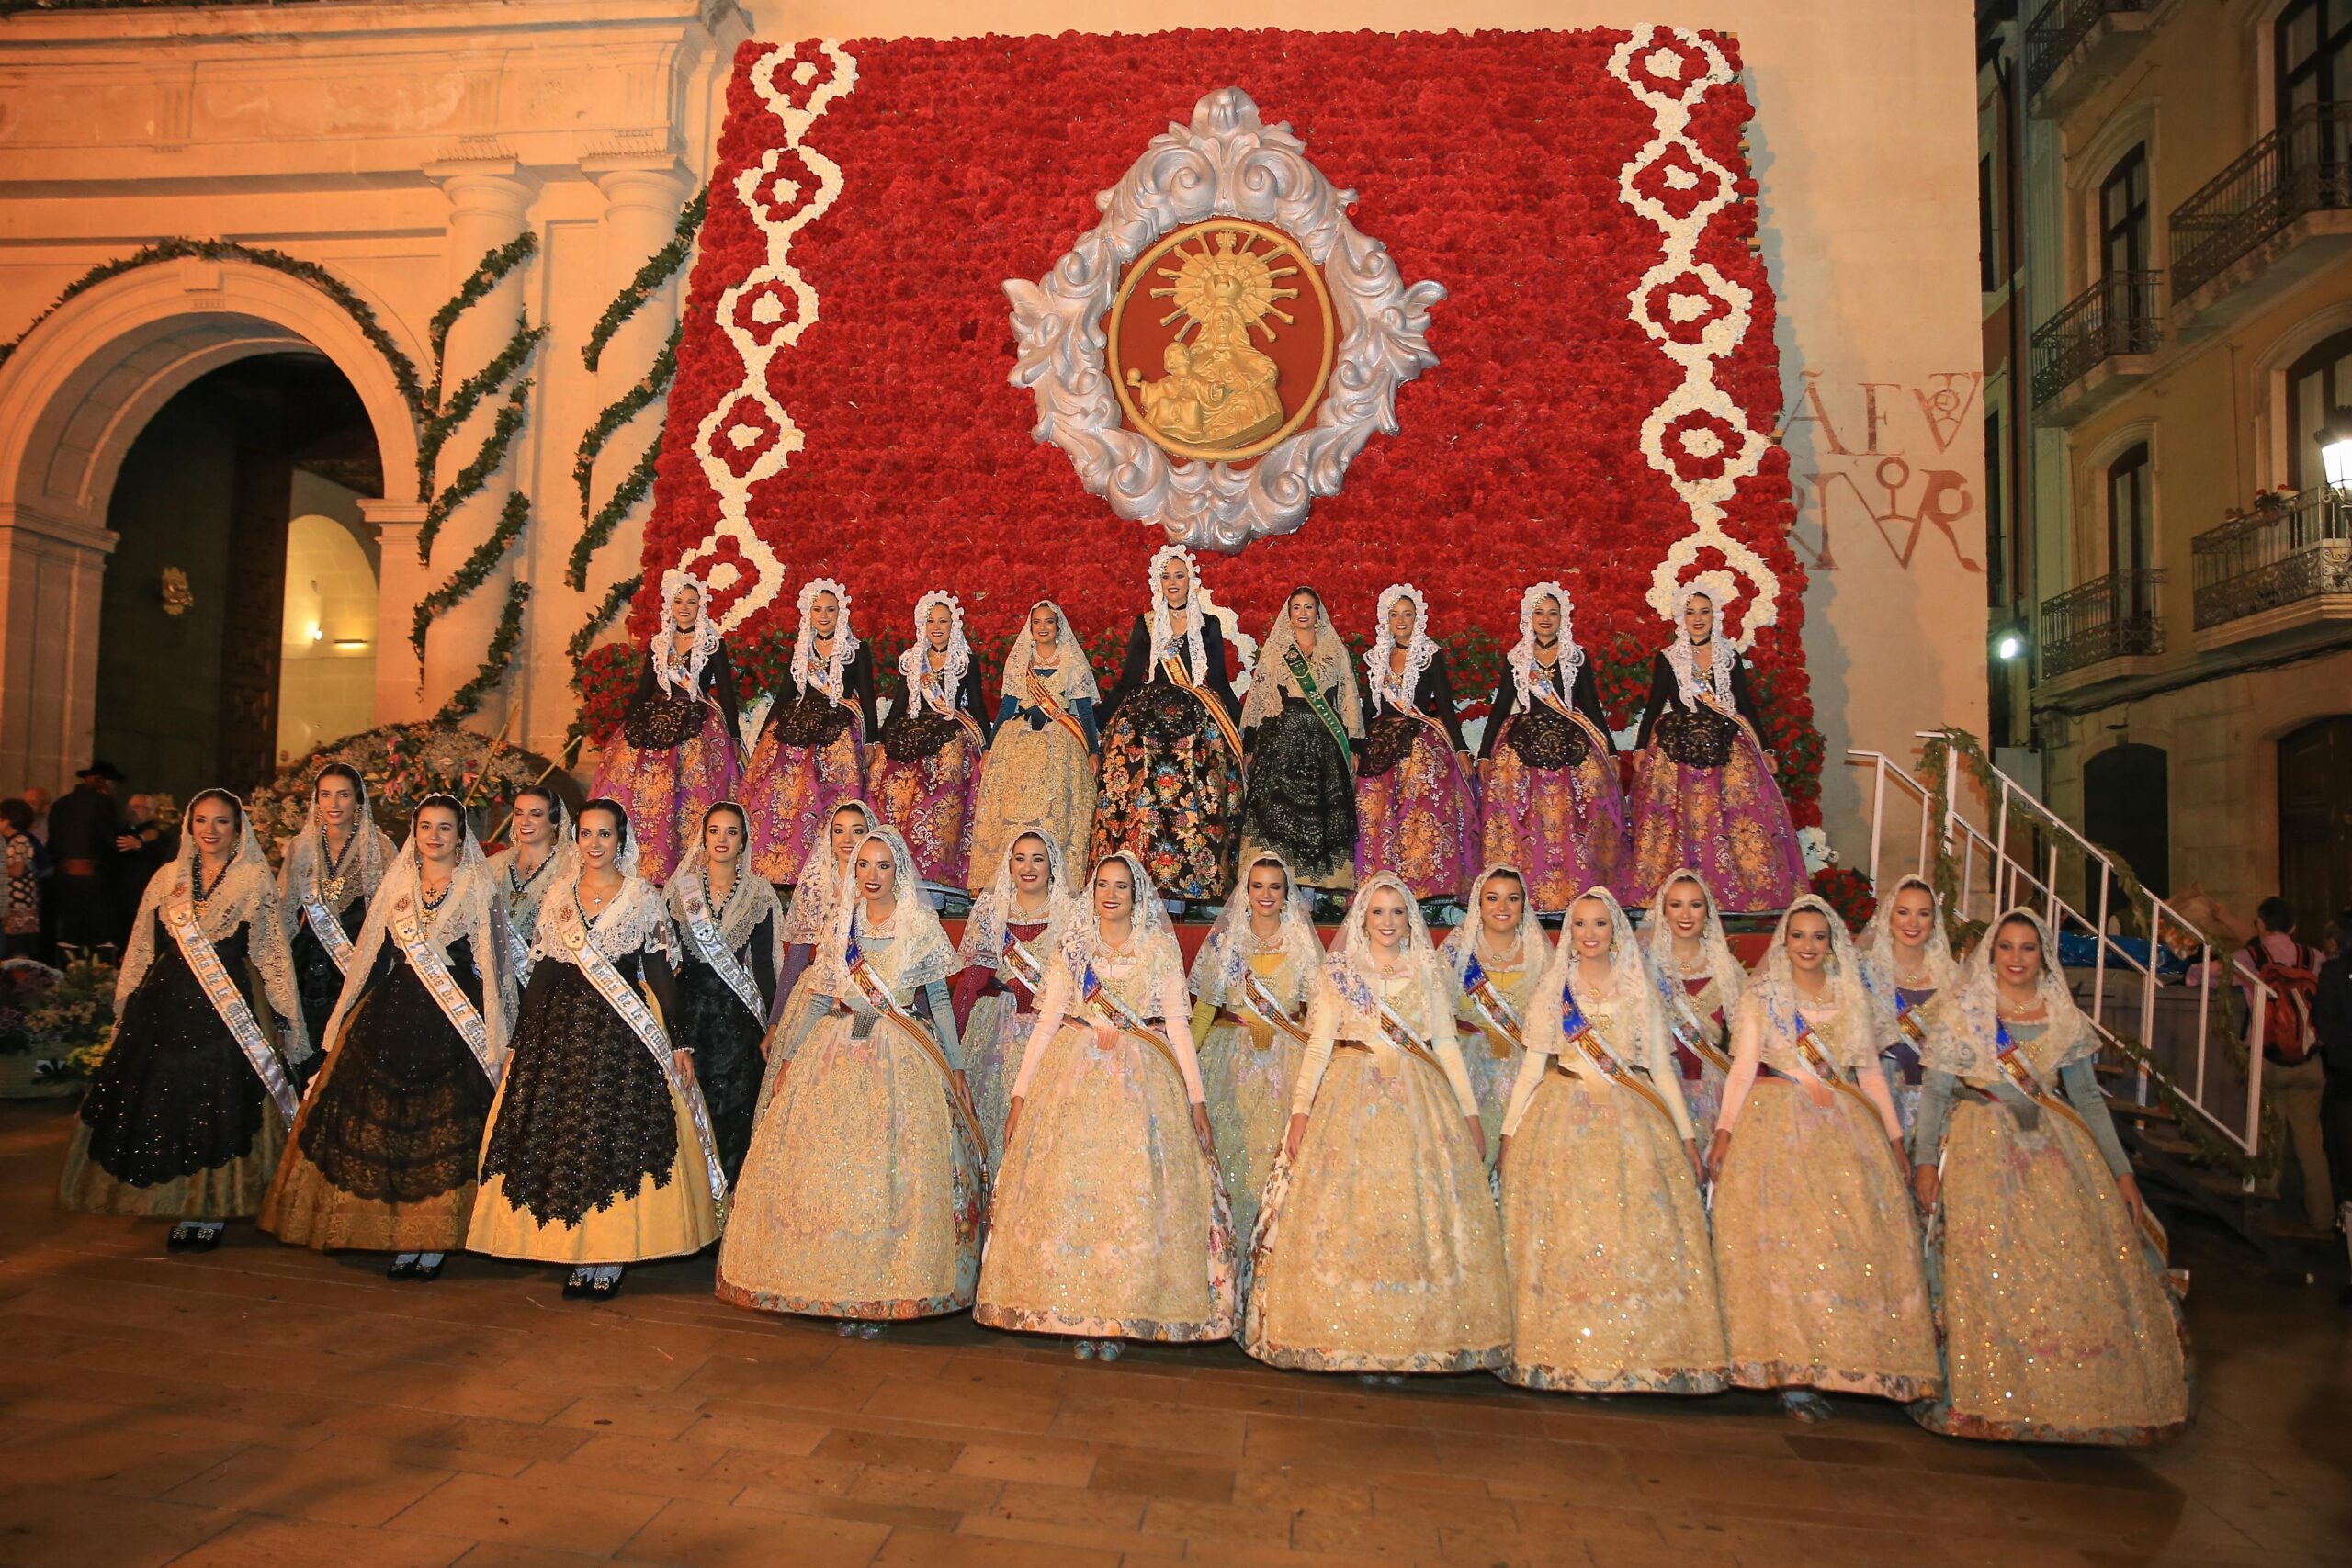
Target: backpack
x,y
2288,1036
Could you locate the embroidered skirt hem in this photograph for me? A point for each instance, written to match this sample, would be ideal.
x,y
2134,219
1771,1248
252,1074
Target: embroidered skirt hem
x,y
1901,1388
231,1191
900,1311
1596,1380
1045,1320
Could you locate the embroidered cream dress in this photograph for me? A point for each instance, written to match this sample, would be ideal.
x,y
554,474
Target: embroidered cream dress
x,y
1698,997
1248,1060
1005,954
1041,770
863,1193
2058,1321
1612,1273
596,1153
1378,1249
1900,1058
1817,1248
1110,1220
185,1120
1507,972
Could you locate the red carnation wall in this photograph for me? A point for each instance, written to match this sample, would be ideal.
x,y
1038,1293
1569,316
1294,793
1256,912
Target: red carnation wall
x,y
1488,161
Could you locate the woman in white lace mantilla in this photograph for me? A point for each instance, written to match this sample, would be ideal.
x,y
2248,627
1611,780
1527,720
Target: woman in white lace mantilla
x,y
1699,982
333,868
1010,938
730,950
1495,957
1040,773
924,775
1300,726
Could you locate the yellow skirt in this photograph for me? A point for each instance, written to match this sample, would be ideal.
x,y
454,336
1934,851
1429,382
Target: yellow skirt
x,y
1612,1278
2058,1323
661,1219
231,1191
1036,781
1818,1252
1378,1249
1108,1222
861,1197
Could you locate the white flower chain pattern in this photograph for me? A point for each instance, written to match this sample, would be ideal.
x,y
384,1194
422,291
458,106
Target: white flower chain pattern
x,y
1698,438
748,438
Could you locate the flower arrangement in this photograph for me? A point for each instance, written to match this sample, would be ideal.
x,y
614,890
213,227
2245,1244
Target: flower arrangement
x,y
1848,891
402,763
57,1022
1491,162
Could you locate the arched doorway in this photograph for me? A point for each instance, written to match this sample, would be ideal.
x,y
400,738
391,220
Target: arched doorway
x,y
2127,809
78,391
272,647
2315,821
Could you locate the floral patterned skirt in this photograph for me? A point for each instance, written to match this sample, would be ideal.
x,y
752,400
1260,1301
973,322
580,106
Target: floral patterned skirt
x,y
929,800
1729,824
2058,1323
1249,1094
1563,828
790,792
667,789
1818,1252
993,1038
1419,819
1036,781
861,1195
1109,1221
1613,1276
1378,1249
1170,794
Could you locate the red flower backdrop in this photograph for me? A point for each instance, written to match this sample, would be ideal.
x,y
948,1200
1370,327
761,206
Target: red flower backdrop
x,y
1488,161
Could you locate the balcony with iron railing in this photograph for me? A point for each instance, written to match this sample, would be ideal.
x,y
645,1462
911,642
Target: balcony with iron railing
x,y
2098,344
2107,618
2284,570
2257,217
2072,45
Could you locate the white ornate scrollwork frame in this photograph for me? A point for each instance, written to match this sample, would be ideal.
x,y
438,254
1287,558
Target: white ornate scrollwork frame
x,y
1229,164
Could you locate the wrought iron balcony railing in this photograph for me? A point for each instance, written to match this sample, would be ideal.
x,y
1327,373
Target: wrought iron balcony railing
x,y
2058,29
2117,315
2109,617
2274,559
2303,167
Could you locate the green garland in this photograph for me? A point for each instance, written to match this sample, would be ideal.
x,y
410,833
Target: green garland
x,y
2026,815
403,368
462,403
649,387
658,270
474,571
488,273
577,648
476,474
633,489
467,698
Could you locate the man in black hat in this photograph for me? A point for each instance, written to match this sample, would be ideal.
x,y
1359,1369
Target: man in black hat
x,y
82,831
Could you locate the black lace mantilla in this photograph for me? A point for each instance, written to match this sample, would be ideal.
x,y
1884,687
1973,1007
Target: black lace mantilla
x,y
663,720
910,737
174,1094
1300,799
1697,740
808,719
1545,738
587,1115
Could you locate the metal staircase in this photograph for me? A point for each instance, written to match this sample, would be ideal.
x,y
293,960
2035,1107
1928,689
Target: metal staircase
x,y
2145,974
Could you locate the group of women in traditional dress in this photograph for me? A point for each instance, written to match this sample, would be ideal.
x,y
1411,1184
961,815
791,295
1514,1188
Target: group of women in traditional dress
x,y
1343,778
1384,1158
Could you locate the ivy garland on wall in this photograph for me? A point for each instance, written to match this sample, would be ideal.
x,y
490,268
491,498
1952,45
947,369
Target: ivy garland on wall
x,y
446,415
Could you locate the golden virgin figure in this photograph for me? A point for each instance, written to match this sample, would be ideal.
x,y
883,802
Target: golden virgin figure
x,y
1612,1270
1547,764
189,1109
1299,728
862,1198
1378,1250
1495,957
811,750
1252,981
599,1152
331,871
1699,981
1416,801
1009,942
1704,791
679,750
1040,773
1172,752
1817,1248
1908,963
384,1152
925,771
2059,1322
1110,1221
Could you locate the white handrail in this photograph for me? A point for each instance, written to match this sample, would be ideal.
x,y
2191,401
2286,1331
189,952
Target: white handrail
x,y
2012,881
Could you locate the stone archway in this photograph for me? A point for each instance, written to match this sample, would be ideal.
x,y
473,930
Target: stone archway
x,y
73,398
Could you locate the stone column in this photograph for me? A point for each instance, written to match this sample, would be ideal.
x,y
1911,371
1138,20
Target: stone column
x,y
643,195
401,582
52,571
490,199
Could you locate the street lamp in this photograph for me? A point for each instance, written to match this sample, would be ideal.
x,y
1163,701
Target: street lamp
x,y
2009,645
2336,454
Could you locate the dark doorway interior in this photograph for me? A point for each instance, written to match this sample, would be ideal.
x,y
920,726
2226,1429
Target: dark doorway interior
x,y
2127,809
2315,821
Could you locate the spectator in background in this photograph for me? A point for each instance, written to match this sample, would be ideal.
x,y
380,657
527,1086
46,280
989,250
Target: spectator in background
x,y
145,846
2291,1074
82,832
22,860
38,799
2331,1018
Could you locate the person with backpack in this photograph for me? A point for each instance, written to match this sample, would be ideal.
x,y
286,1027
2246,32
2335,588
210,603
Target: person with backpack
x,y
2293,1077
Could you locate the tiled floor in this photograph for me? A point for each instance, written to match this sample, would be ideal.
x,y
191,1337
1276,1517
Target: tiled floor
x,y
264,1407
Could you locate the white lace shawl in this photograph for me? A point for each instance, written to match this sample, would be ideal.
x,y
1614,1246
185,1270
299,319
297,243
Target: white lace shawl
x,y
804,639
1877,944
1641,1037
1073,675
637,920
1521,657
1394,693
918,953
1682,657
992,911
1963,1028
246,896
1333,667
1715,956
1863,1026
1461,942
1163,631
815,895
1345,966
1224,958
687,678
749,902
364,861
1142,966
914,664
